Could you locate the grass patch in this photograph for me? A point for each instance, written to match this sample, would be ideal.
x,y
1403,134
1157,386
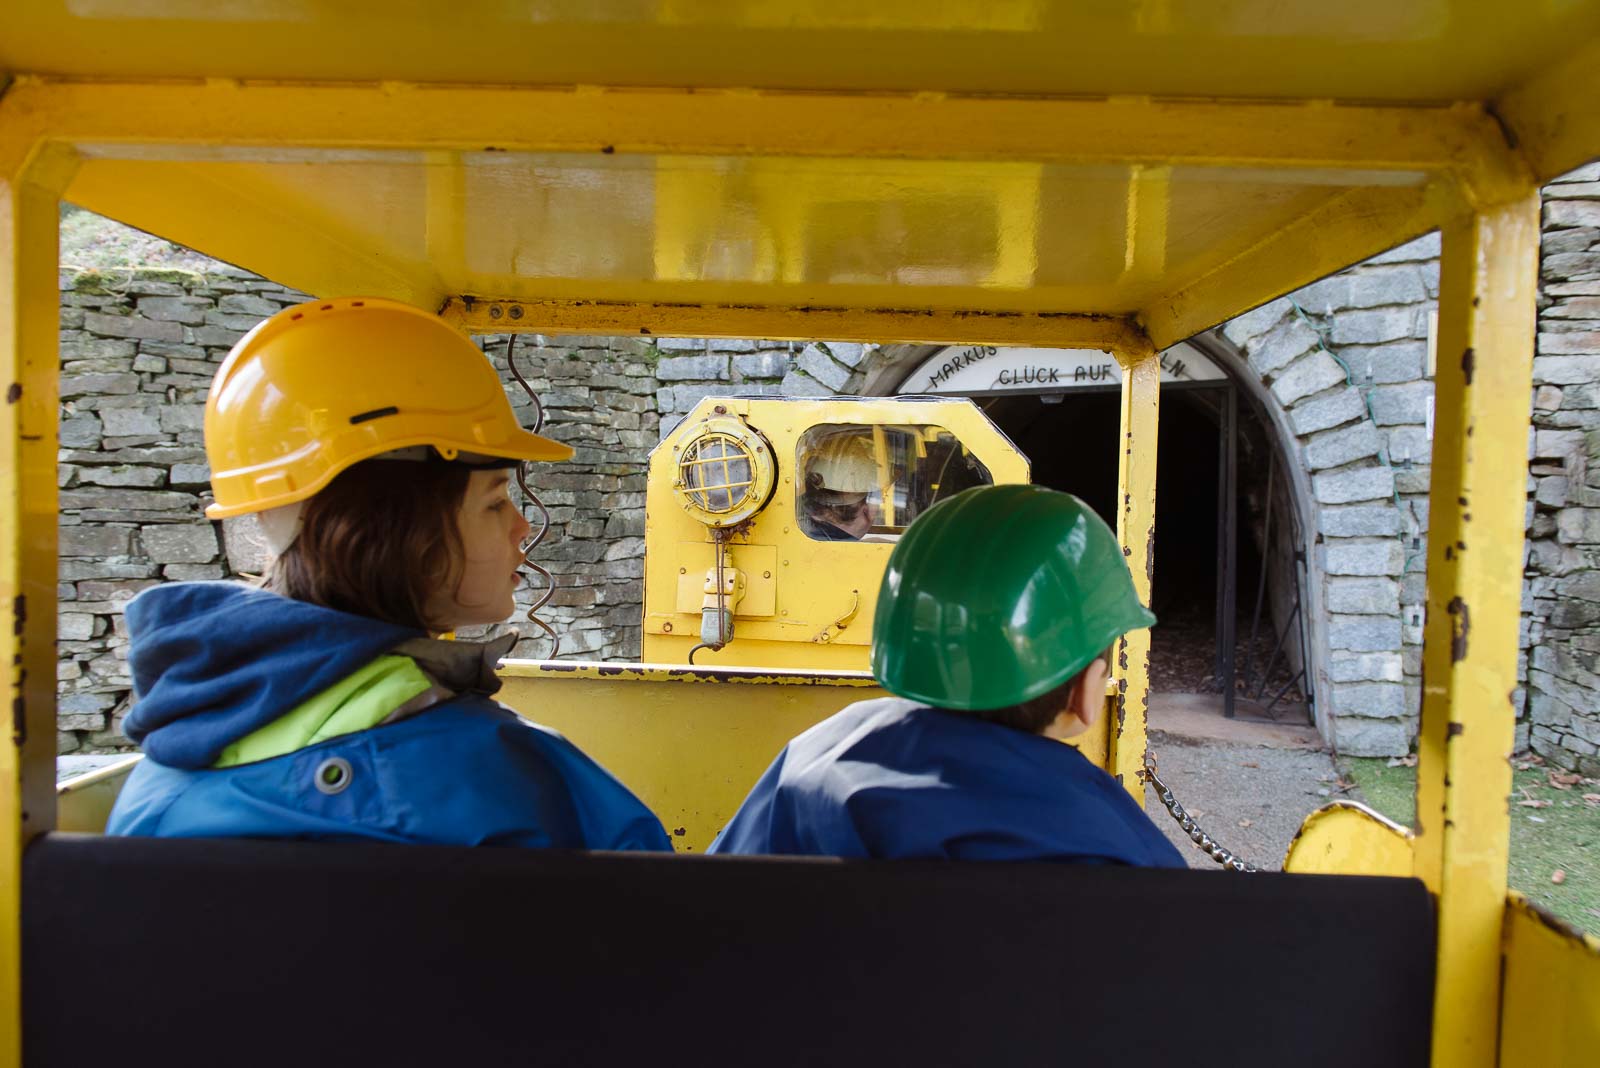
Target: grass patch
x,y
1392,791
1557,831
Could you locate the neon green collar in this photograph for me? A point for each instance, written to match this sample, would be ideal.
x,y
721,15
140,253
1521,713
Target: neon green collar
x,y
356,703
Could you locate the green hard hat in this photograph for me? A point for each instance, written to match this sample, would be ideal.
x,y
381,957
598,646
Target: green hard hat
x,y
998,595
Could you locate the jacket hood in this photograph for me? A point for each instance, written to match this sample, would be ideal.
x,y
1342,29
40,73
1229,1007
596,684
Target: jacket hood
x,y
214,661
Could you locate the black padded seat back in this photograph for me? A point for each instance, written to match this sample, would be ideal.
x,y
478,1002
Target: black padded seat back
x,y
242,952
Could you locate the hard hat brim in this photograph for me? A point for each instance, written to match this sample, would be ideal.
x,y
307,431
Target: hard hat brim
x,y
520,445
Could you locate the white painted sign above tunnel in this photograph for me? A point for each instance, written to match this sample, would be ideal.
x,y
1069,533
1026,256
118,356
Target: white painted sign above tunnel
x,y
980,369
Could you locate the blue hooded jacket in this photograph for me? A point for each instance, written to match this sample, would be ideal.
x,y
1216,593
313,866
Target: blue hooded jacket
x,y
214,662
894,780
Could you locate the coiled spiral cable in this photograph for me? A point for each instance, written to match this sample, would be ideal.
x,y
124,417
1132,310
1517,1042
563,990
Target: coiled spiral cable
x,y
542,528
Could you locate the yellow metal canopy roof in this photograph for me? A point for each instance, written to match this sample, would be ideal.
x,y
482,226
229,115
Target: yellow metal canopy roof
x,y
901,170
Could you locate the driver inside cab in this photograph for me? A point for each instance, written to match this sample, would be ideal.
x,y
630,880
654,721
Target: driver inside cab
x,y
839,474
376,445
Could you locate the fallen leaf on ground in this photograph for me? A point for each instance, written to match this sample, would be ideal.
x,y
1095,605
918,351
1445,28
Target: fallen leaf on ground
x,y
1562,780
1246,823
1558,876
1249,764
1536,803
1593,799
1197,812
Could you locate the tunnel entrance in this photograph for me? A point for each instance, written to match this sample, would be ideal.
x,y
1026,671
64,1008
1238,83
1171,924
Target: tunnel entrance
x,y
1230,619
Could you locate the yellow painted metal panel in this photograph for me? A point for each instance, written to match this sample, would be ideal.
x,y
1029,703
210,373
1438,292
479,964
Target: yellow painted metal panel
x,y
691,742
825,592
922,234
28,525
1486,331
1346,838
83,804
1361,49
1136,529
759,564
1550,1008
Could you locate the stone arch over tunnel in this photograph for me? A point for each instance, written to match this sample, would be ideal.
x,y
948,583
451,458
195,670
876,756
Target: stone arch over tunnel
x,y
1343,431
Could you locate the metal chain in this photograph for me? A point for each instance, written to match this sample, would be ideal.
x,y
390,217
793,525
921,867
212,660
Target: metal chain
x,y
1207,844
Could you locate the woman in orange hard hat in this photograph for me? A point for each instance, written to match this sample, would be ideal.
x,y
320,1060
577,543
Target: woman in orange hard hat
x,y
375,443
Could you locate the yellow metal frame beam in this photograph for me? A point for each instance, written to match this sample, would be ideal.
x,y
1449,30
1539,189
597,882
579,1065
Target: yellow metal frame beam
x,y
1136,529
1554,120
290,246
1488,272
1413,167
1345,229
127,119
29,376
780,323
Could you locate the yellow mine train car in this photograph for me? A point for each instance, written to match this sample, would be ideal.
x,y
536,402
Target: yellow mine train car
x,y
1115,178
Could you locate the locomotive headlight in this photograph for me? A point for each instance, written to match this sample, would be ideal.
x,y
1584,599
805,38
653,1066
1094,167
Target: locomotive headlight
x,y
725,472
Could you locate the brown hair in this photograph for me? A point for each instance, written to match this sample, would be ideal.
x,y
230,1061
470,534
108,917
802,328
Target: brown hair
x,y
376,541
1035,715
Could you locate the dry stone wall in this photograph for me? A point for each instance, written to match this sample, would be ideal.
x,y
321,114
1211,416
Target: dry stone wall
x,y
1561,595
138,349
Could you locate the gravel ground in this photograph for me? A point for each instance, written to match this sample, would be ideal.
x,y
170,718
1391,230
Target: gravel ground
x,y
1250,798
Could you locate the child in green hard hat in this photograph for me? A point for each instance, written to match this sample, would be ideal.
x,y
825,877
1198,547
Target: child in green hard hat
x,y
994,626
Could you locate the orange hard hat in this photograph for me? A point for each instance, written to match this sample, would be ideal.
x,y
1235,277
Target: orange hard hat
x,y
329,383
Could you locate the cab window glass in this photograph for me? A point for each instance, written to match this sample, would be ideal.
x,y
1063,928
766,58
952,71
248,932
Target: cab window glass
x,y
867,483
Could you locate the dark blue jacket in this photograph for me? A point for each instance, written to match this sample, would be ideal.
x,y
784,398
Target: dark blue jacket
x,y
214,662
894,780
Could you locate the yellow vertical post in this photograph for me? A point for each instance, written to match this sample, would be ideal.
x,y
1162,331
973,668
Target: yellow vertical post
x,y
1136,529
1476,505
29,299
880,452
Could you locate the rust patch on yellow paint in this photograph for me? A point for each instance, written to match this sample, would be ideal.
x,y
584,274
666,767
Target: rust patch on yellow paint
x,y
1460,629
1559,926
19,703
